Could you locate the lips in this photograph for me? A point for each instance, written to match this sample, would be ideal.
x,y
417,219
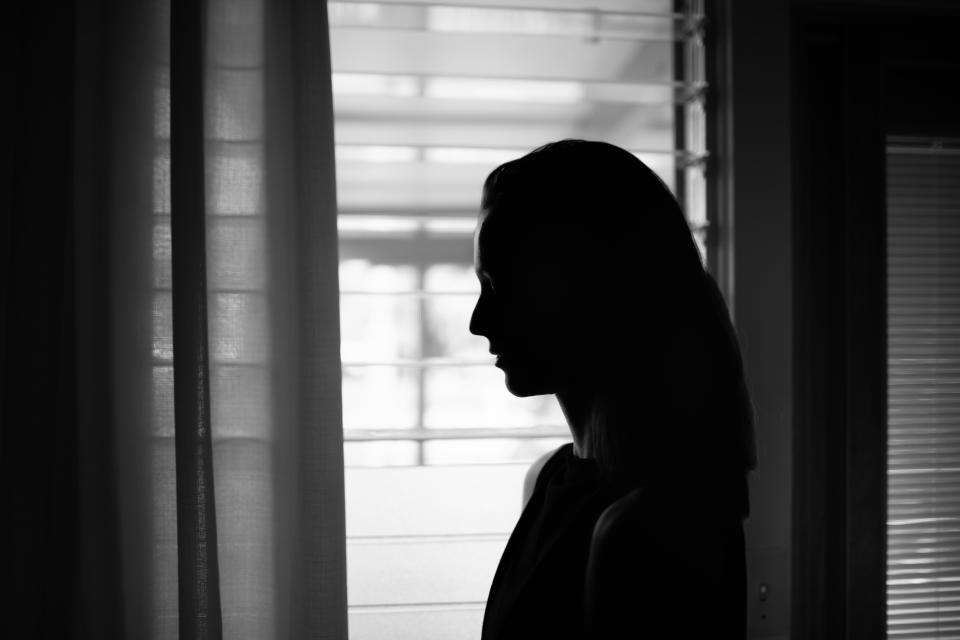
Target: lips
x,y
500,351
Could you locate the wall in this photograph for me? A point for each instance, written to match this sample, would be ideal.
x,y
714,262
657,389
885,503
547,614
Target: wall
x,y
757,106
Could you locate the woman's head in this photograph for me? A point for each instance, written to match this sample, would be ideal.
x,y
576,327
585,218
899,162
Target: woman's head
x,y
590,280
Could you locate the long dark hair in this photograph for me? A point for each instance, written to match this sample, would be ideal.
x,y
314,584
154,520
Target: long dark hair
x,y
673,390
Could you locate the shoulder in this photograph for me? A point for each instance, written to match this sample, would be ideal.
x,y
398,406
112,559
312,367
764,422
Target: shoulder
x,y
628,565
533,473
623,511
644,553
647,527
629,519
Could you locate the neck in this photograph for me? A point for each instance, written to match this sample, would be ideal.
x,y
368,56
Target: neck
x,y
577,406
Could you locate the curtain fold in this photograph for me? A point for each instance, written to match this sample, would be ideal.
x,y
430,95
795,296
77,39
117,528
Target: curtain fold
x,y
171,423
301,202
112,167
198,565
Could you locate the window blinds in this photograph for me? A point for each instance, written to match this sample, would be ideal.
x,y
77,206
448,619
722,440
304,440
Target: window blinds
x,y
923,356
429,96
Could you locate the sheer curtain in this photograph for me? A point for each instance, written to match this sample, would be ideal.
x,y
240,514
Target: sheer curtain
x,y
172,461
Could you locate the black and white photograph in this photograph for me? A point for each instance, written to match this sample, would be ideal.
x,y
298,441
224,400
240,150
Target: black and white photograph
x,y
480,320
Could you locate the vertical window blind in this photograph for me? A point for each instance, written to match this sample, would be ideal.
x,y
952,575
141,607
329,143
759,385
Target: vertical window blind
x,y
429,97
923,356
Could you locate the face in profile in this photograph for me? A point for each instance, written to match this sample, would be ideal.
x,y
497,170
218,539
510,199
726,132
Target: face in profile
x,y
530,307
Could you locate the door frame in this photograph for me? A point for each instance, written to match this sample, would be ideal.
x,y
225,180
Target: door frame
x,y
858,74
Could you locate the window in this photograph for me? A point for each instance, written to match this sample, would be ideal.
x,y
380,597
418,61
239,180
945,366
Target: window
x,y
429,97
923,360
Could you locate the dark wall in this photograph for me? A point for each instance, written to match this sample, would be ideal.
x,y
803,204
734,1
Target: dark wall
x,y
755,97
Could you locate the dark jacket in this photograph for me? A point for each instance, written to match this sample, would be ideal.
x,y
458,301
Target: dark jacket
x,y
540,585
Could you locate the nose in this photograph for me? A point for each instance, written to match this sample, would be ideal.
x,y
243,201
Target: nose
x,y
479,317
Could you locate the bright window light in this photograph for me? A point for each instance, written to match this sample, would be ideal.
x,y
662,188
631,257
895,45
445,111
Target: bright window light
x,y
429,97
635,94
355,13
376,224
522,21
373,84
451,225
366,276
468,155
504,90
375,153
451,277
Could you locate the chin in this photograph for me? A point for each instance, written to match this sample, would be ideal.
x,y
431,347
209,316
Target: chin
x,y
524,384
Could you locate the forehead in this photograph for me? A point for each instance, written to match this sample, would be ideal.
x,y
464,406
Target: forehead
x,y
497,243
482,241
504,244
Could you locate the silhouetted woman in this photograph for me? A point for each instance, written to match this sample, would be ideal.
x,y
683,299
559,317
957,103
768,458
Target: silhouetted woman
x,y
592,289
